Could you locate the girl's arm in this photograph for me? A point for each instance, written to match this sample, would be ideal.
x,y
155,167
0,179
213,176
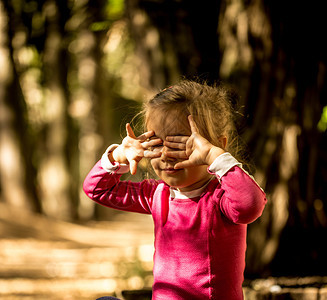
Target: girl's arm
x,y
103,183
103,186
242,200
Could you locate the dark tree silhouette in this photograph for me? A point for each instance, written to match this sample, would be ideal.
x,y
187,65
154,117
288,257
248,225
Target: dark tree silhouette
x,y
274,53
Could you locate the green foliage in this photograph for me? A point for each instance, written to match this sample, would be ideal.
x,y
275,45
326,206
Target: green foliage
x,y
322,125
100,26
115,9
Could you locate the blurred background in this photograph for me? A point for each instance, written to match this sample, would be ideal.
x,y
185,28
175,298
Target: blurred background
x,y
73,72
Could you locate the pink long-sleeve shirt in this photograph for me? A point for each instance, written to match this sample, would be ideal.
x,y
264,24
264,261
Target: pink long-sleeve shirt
x,y
200,236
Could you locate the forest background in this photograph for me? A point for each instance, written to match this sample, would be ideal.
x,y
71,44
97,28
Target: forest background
x,y
73,72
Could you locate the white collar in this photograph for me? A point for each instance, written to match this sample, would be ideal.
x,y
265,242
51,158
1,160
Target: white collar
x,y
175,193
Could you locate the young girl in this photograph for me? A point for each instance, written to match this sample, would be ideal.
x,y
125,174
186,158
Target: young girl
x,y
204,199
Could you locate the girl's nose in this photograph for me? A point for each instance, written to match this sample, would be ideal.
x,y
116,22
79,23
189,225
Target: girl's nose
x,y
164,155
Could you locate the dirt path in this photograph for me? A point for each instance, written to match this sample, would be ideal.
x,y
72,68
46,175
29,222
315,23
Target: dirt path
x,y
47,259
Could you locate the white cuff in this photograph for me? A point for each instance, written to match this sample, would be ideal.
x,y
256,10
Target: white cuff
x,y
222,164
112,168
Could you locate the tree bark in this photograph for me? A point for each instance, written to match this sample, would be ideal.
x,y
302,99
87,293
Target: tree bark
x,y
16,148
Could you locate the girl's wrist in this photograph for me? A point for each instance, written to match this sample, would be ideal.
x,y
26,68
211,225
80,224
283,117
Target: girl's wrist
x,y
115,156
213,153
112,157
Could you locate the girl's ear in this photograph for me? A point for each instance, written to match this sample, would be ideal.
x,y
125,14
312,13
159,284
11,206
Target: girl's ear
x,y
223,142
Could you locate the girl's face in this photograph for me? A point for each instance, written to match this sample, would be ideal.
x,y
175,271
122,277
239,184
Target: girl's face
x,y
174,123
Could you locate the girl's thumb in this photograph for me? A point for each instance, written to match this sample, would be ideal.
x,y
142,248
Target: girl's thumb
x,y
133,167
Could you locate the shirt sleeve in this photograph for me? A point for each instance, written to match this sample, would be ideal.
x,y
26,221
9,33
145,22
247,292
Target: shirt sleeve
x,y
115,167
103,185
222,164
241,200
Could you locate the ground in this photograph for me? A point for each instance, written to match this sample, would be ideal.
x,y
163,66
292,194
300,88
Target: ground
x,y
42,258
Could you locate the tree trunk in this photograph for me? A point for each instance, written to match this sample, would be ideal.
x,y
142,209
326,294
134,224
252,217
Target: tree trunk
x,y
17,172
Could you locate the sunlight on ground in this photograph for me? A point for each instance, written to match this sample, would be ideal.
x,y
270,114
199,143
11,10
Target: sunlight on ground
x,y
32,267
42,258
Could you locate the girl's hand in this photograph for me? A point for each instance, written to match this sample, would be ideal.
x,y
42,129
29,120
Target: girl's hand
x,y
194,150
133,149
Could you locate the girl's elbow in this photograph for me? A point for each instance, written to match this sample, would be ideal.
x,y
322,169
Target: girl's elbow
x,y
88,188
251,213
257,210
256,213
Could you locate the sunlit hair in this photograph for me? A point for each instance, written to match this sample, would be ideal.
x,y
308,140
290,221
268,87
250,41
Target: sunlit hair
x,y
212,107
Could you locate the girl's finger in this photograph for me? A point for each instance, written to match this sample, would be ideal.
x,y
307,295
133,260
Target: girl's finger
x,y
172,145
151,154
176,154
133,166
177,138
130,131
144,136
193,126
183,164
151,143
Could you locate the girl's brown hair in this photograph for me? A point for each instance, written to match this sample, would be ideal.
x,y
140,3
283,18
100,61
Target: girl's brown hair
x,y
213,108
